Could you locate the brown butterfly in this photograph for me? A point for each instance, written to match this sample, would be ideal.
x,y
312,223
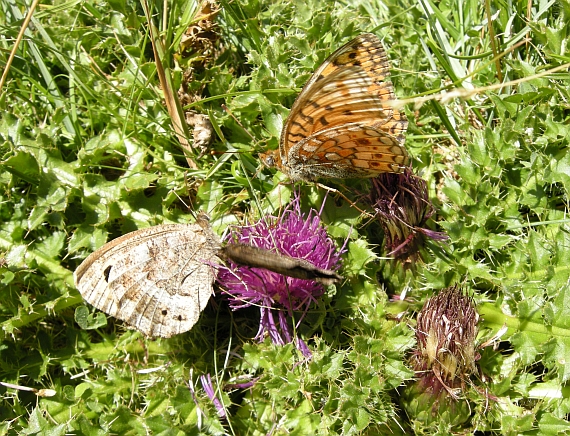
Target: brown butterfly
x,y
341,124
159,279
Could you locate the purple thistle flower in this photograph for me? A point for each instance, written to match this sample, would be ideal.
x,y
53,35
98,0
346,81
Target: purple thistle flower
x,y
206,381
293,234
403,207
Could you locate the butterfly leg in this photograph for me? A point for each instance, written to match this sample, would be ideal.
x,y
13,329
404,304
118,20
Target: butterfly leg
x,y
352,203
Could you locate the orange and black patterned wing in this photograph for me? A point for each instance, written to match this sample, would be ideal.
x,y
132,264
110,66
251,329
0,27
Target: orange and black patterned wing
x,y
349,150
351,86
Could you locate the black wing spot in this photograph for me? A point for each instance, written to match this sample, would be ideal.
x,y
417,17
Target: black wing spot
x,y
300,126
296,135
309,119
164,312
107,273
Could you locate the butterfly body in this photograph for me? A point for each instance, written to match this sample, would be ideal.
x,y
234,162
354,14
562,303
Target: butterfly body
x,y
342,124
256,257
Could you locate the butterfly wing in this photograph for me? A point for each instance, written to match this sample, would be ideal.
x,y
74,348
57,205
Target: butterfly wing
x,y
351,87
349,150
256,257
156,279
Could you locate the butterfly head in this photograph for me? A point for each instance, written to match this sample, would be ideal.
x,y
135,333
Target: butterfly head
x,y
271,159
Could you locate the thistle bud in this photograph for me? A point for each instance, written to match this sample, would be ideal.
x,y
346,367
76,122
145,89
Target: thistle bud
x,y
445,357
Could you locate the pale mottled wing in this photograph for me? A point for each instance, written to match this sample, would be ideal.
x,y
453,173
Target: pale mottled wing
x,y
350,150
351,86
157,279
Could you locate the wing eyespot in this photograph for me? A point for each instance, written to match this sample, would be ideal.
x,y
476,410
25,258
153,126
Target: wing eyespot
x,y
107,273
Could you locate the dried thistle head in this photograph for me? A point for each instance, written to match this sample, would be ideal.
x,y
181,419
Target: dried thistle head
x,y
445,333
444,360
403,208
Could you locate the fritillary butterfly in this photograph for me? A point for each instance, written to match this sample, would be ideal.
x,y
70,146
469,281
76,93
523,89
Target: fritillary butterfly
x,y
341,124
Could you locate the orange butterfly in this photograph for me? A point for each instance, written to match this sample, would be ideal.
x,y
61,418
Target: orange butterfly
x,y
340,125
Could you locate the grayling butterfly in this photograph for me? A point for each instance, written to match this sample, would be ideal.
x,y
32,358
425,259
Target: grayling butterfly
x,y
159,279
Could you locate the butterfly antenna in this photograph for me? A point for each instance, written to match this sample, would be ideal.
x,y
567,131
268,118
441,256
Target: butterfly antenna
x,y
189,186
229,112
